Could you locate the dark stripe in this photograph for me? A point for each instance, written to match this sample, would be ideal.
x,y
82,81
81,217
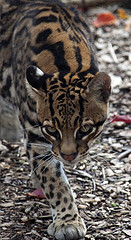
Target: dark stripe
x,y
35,138
4,43
5,92
36,11
93,69
53,81
28,119
78,58
57,50
42,36
58,122
31,104
20,32
66,12
62,24
6,14
61,97
76,120
53,87
100,123
48,19
81,100
51,104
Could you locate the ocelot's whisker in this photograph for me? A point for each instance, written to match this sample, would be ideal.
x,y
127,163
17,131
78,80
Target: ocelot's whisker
x,y
28,128
49,163
44,155
50,157
36,157
38,144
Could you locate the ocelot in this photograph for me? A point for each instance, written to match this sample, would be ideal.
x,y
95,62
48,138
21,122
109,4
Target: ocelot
x,y
49,71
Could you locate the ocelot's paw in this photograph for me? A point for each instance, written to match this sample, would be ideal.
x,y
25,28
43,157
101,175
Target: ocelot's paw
x,y
67,230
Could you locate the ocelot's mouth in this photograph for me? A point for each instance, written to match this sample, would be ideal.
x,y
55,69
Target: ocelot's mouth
x,y
69,157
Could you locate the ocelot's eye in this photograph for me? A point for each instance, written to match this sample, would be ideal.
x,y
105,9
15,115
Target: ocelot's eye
x,y
83,131
51,131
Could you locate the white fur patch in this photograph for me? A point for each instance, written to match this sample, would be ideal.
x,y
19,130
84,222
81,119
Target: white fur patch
x,y
39,72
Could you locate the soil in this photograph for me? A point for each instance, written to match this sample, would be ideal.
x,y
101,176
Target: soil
x,y
101,183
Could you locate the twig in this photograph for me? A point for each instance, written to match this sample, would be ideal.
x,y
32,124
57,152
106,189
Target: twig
x,y
82,174
112,52
124,154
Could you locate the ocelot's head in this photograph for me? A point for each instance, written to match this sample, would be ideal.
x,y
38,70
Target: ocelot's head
x,y
71,110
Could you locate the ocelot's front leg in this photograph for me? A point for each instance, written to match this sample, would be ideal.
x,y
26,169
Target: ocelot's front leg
x,y
67,223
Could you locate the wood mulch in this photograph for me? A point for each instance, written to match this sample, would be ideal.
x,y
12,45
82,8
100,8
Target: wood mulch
x,y
102,182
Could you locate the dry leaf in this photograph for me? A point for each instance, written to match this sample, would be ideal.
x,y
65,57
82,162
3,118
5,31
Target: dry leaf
x,y
36,194
122,13
104,19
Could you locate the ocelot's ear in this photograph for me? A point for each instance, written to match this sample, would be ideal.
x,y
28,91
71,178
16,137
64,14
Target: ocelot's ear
x,y
100,87
36,78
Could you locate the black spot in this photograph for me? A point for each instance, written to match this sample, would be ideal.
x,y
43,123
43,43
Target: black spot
x,y
38,176
66,188
35,164
52,179
59,195
44,170
63,209
72,97
28,155
28,145
42,186
58,173
65,200
57,203
51,194
74,217
44,179
66,216
51,187
47,195
53,206
72,199
58,165
70,206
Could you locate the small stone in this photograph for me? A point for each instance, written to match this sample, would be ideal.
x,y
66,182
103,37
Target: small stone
x,y
97,199
115,81
24,219
109,172
127,232
106,58
119,125
117,146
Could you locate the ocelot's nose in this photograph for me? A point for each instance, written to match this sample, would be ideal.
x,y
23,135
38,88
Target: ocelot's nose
x,y
69,157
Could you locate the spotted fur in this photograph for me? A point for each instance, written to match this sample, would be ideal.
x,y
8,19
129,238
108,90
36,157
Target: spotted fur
x,y
49,71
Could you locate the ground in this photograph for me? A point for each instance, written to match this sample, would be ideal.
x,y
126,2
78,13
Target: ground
x,y
101,183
